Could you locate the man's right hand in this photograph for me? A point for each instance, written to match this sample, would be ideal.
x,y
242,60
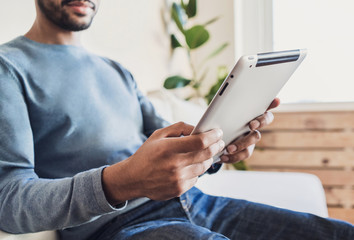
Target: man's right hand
x,y
165,166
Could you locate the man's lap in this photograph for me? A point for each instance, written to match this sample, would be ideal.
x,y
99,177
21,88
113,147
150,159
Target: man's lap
x,y
167,230
198,216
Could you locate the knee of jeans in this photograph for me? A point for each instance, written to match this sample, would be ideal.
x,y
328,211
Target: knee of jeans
x,y
169,230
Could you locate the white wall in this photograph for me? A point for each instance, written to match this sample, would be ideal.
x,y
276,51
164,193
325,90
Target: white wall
x,y
133,33
16,17
221,31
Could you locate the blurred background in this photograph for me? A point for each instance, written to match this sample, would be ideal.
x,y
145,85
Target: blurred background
x,y
314,128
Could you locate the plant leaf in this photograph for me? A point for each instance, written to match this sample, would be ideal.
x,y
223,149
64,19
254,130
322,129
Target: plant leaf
x,y
184,6
177,16
211,21
216,51
176,82
174,42
191,8
241,166
196,36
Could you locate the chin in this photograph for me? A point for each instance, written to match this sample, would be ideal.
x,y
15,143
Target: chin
x,y
76,23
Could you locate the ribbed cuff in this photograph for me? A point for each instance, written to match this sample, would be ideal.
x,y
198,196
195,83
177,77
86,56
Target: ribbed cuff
x,y
101,197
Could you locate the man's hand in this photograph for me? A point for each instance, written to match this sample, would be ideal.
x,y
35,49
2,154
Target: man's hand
x,y
242,148
165,166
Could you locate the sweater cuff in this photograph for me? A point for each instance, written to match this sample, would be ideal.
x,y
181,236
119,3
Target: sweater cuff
x,y
100,195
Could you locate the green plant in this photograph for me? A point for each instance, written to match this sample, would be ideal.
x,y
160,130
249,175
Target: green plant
x,y
191,37
241,165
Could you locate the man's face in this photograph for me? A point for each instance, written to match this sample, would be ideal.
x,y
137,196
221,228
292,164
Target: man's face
x,y
71,15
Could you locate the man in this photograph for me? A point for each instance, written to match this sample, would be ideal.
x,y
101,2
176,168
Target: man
x,y
82,151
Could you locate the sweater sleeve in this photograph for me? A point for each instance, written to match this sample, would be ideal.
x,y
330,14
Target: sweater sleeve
x,y
29,203
152,120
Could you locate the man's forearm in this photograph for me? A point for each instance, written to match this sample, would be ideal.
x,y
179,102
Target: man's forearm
x,y
30,204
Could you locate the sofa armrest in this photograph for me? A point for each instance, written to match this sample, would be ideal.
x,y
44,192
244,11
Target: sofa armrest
x,y
295,191
47,235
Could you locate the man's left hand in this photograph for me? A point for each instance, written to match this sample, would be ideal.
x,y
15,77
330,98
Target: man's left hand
x,y
242,148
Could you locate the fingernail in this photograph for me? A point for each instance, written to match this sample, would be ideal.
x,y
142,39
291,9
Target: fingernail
x,y
255,124
231,148
258,134
225,158
221,144
219,132
271,116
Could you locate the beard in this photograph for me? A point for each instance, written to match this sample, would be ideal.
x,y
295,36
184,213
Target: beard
x,y
57,15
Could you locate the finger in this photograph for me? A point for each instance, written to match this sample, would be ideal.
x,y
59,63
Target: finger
x,y
188,184
274,104
203,155
239,156
198,169
175,130
174,190
261,121
196,142
243,142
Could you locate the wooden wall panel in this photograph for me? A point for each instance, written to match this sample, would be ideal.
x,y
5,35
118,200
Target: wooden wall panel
x,y
317,142
313,120
302,158
340,213
307,139
343,197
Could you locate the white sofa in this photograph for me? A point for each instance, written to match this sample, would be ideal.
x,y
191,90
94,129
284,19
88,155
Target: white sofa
x,y
295,191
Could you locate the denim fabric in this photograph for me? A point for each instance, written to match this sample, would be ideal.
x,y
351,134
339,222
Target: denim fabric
x,y
199,216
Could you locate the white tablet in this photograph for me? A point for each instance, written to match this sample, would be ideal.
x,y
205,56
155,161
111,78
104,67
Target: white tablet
x,y
248,91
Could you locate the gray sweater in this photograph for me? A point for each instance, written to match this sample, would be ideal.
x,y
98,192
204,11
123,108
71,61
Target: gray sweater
x,y
65,114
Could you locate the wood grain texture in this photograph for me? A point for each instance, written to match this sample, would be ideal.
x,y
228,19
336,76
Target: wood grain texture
x,y
319,143
343,197
302,158
318,120
307,139
342,214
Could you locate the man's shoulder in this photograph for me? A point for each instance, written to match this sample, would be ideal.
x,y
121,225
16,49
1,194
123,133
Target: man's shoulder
x,y
11,51
11,46
112,62
118,66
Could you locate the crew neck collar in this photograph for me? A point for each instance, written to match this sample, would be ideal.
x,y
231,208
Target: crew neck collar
x,y
47,45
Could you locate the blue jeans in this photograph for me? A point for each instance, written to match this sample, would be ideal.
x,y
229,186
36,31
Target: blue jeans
x,y
198,216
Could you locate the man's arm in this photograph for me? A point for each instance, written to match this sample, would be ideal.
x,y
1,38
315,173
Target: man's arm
x,y
151,119
165,166
27,202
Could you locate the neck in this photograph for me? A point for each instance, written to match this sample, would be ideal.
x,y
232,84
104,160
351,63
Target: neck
x,y
44,31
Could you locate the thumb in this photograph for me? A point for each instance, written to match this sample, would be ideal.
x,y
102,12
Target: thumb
x,y
274,104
